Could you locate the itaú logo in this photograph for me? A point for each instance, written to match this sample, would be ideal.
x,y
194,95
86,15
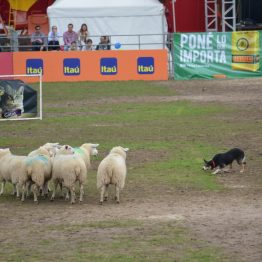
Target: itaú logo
x,y
34,67
145,65
108,66
71,66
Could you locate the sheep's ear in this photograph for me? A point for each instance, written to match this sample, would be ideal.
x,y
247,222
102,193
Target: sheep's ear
x,y
94,145
126,149
54,144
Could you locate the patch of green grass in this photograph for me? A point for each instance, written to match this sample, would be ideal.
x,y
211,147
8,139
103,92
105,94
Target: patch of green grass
x,y
167,141
96,90
179,128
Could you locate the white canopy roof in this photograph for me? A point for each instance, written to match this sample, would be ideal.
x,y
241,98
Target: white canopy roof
x,y
129,22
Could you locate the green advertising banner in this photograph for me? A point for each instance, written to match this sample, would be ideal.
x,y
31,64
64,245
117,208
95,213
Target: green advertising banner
x,y
217,55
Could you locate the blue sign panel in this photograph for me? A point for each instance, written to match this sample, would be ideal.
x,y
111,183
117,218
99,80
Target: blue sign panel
x,y
34,66
145,65
108,66
71,66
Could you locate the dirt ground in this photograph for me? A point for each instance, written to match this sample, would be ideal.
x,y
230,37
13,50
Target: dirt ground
x,y
231,220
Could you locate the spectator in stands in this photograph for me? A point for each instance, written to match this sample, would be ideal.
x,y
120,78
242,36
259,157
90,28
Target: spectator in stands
x,y
69,36
38,40
53,39
82,36
104,43
88,45
73,46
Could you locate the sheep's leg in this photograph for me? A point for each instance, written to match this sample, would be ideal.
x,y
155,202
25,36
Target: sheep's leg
x,y
103,188
28,188
72,192
67,197
23,192
17,191
106,193
2,187
54,191
62,195
45,190
48,188
117,194
81,193
14,190
35,192
42,190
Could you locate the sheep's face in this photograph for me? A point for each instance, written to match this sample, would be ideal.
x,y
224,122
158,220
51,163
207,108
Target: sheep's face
x,y
94,151
66,150
51,144
52,148
125,149
43,151
92,148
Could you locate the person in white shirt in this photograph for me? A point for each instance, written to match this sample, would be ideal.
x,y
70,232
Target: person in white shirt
x,y
53,39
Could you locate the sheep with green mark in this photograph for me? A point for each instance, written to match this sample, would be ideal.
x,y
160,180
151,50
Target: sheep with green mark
x,y
38,170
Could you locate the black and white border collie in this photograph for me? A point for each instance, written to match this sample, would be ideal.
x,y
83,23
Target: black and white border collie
x,y
220,161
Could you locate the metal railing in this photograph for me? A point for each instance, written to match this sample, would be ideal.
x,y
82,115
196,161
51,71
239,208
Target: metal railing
x,y
15,43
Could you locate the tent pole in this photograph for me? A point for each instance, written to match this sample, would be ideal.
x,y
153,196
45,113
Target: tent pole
x,y
173,12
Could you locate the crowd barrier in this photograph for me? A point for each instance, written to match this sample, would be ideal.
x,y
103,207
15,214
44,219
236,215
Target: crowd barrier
x,y
89,66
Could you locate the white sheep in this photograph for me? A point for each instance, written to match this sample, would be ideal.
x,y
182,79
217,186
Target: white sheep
x,y
11,167
112,170
67,170
52,148
85,151
38,170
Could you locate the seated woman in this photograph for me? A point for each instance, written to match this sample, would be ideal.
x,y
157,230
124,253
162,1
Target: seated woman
x,y
82,36
104,43
53,39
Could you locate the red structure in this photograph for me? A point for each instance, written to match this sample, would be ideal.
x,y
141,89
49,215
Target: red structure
x,y
39,7
189,15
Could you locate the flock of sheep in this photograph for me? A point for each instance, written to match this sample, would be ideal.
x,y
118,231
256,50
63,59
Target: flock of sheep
x,y
64,166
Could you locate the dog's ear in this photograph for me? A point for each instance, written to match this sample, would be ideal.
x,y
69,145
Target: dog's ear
x,y
205,161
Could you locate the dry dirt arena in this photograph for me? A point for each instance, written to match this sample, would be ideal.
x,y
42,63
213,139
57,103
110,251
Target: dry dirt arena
x,y
231,220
